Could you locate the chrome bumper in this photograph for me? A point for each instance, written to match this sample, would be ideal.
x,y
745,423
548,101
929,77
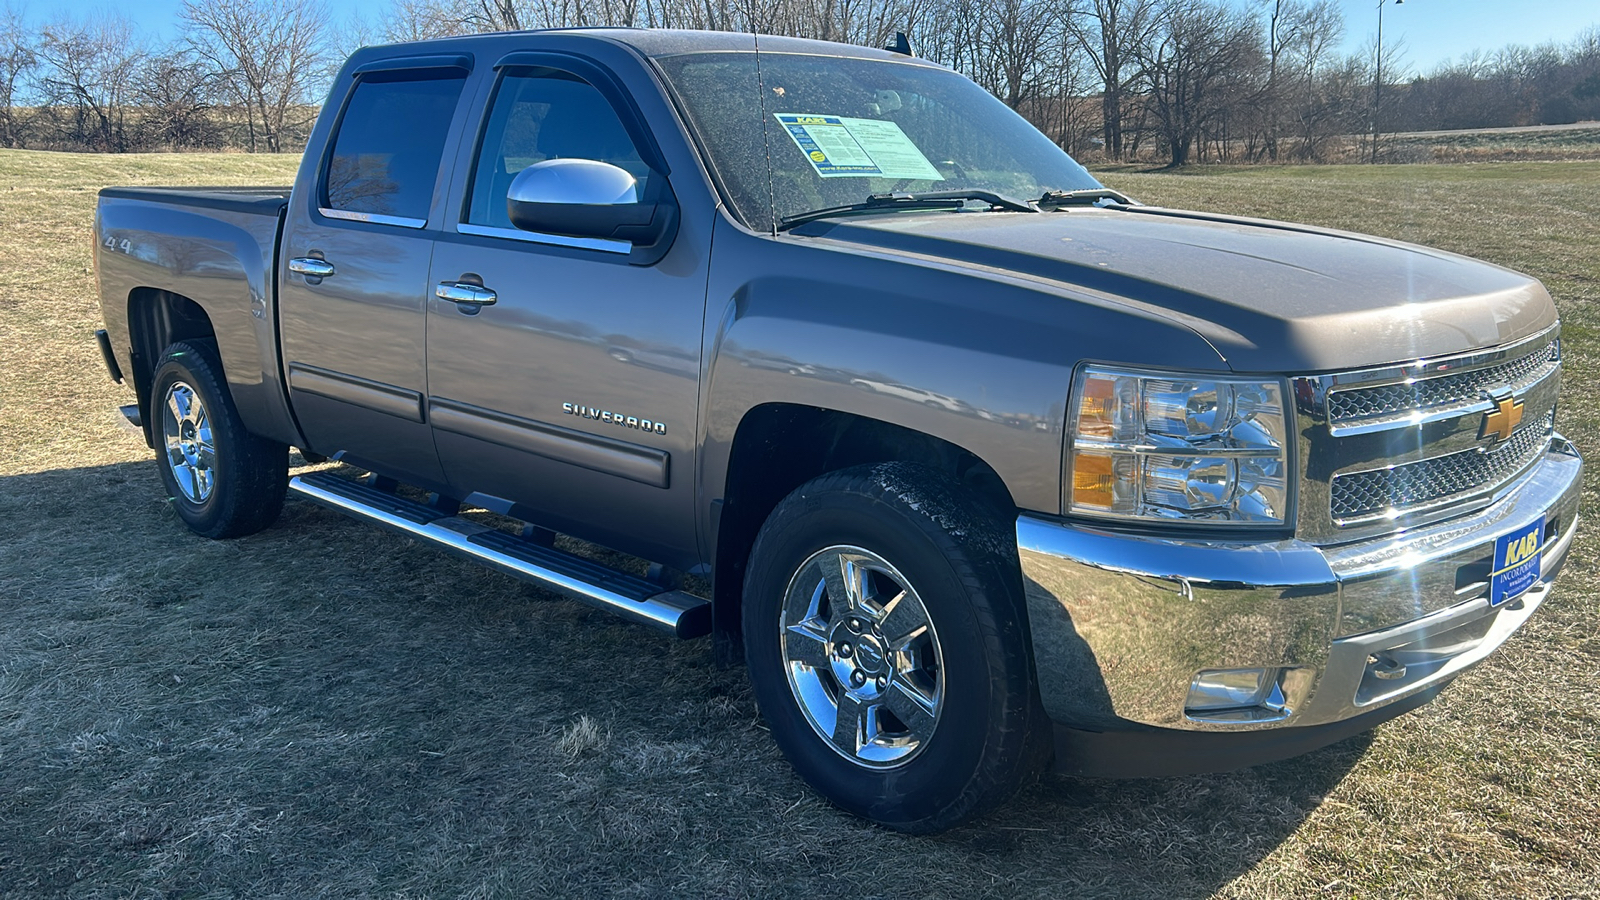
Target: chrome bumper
x,y
1122,623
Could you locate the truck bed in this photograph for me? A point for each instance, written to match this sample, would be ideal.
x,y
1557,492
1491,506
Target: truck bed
x,y
169,252
263,200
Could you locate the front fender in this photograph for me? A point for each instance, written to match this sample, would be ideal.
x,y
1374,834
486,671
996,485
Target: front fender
x,y
979,359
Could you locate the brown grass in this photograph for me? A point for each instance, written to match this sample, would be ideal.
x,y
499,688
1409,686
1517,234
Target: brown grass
x,y
326,710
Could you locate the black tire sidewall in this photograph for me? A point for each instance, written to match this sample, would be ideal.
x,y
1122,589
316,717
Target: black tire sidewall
x,y
238,503
934,788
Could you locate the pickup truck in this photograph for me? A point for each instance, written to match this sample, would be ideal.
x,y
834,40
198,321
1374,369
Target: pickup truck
x,y
973,462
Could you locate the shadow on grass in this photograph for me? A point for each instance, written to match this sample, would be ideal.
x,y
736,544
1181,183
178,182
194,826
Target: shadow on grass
x,y
327,709
1161,837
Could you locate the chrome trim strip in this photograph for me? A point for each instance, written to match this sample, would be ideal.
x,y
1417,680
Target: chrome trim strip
x,y
555,240
1444,365
1441,413
666,611
373,218
1551,486
1528,444
1381,449
646,465
363,392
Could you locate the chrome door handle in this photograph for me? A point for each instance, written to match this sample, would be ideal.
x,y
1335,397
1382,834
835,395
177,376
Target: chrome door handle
x,y
461,292
311,267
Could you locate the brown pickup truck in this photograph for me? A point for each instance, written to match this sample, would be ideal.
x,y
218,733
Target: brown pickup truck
x,y
976,460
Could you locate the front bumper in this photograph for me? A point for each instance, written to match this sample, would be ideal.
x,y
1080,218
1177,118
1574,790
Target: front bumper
x,y
1122,623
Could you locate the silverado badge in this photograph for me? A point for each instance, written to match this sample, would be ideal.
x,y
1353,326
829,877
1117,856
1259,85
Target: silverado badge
x,y
1498,423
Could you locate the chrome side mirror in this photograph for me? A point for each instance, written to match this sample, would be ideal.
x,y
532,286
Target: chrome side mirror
x,y
592,199
566,182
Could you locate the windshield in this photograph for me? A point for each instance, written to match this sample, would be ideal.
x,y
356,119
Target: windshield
x,y
840,129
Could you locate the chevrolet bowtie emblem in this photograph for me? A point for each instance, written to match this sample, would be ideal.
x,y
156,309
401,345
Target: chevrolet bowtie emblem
x,y
1498,423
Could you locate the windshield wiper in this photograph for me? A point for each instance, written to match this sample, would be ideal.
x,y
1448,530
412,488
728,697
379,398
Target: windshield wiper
x,y
921,200
1085,197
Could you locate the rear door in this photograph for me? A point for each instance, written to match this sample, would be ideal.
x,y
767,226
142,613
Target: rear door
x,y
574,394
353,287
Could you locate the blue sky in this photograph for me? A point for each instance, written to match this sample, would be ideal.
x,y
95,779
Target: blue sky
x,y
1438,30
1432,30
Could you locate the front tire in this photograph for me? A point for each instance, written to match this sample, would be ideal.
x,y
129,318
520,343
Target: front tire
x,y
888,649
224,481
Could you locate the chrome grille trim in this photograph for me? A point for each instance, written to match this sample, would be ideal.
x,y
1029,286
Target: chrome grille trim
x,y
1329,452
1383,493
1458,389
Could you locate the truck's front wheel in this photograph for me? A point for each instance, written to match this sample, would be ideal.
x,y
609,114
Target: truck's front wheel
x,y
224,481
887,647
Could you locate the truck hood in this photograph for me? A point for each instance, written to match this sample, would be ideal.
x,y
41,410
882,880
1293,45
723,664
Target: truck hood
x,y
1269,296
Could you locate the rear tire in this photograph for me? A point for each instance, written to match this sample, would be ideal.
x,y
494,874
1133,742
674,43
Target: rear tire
x,y
224,481
888,649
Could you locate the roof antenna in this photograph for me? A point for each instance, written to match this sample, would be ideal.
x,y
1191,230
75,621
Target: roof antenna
x,y
901,45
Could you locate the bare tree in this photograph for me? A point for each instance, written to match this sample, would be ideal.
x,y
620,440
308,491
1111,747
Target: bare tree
x,y
175,93
86,69
1018,41
1301,37
16,63
269,53
1109,31
1060,109
420,20
1200,61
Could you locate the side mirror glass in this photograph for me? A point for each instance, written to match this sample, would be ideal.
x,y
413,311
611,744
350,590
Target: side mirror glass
x,y
592,199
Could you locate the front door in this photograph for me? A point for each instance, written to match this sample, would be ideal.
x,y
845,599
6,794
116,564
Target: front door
x,y
353,283
574,393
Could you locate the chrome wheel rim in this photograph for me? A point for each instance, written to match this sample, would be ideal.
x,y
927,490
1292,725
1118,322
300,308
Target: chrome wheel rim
x,y
186,432
862,657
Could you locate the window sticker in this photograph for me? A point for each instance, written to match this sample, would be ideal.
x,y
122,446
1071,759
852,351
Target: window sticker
x,y
842,147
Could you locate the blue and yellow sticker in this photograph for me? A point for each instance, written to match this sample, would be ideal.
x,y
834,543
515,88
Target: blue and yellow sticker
x,y
845,147
1516,562
828,145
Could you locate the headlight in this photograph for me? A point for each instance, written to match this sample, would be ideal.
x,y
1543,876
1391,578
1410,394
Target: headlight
x,y
1169,446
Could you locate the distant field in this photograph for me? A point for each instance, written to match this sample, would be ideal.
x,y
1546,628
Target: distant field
x,y
1555,142
326,710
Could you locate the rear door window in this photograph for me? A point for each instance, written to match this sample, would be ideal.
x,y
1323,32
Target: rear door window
x,y
387,149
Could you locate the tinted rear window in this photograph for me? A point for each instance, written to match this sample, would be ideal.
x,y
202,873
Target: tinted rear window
x,y
387,150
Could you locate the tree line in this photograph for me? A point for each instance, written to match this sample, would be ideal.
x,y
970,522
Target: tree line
x,y
1166,80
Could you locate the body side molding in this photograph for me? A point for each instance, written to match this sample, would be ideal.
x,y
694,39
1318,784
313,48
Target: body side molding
x,y
646,465
363,392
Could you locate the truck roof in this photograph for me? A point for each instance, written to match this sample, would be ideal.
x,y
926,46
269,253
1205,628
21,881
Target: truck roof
x,y
656,42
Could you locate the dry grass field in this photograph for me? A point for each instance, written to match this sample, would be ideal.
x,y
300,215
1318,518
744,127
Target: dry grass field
x,y
323,710
1544,143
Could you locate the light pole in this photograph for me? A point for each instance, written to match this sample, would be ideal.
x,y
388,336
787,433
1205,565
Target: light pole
x,y
1377,81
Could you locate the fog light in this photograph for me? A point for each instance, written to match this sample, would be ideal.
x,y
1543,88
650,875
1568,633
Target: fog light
x,y
1218,689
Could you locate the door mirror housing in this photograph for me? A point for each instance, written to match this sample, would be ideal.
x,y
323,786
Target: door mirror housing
x,y
592,199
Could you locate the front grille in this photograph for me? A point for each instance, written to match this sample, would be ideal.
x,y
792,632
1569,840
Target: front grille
x,y
1360,404
1360,495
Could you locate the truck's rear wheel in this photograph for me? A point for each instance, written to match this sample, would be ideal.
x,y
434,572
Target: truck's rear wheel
x,y
224,481
888,648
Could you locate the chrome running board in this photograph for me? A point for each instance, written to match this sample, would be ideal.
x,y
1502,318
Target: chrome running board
x,y
677,613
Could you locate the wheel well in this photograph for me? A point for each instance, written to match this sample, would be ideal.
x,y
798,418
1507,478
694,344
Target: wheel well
x,y
781,446
156,319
